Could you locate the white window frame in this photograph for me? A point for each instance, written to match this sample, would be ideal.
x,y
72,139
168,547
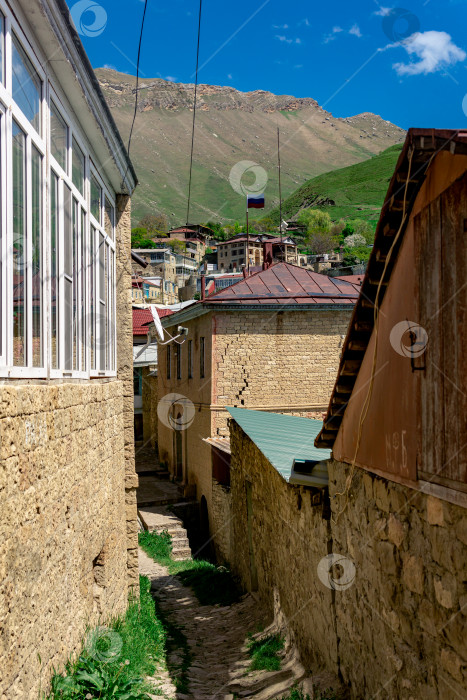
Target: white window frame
x,y
9,111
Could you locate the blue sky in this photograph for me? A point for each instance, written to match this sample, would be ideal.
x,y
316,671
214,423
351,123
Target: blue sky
x,y
409,66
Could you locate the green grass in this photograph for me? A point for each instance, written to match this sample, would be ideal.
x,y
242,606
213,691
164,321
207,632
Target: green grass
x,y
357,190
212,585
297,694
264,653
115,660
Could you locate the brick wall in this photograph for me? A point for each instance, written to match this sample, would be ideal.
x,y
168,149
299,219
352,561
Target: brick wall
x,y
398,631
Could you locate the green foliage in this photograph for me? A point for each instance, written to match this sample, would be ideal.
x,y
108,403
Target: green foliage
x,y
264,653
315,220
98,673
139,239
357,191
297,694
356,240
360,228
353,256
177,246
212,585
322,242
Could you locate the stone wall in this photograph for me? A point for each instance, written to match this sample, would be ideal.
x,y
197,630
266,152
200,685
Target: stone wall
x,y
125,374
221,521
398,630
283,361
68,525
63,556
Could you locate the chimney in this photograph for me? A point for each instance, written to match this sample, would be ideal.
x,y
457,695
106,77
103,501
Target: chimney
x,y
267,254
245,271
203,287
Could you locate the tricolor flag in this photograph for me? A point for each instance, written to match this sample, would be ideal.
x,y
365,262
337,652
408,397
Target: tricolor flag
x,y
255,201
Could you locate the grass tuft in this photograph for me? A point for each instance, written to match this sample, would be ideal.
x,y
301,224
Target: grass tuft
x,y
115,659
212,585
264,653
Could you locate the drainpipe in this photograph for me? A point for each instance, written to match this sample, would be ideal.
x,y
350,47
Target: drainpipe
x,y
203,287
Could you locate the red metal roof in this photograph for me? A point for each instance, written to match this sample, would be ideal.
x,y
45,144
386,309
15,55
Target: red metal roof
x,y
353,279
141,318
284,283
182,229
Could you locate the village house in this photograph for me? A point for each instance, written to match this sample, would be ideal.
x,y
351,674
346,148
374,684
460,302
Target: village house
x,y
370,567
160,268
232,254
256,344
194,238
68,522
145,290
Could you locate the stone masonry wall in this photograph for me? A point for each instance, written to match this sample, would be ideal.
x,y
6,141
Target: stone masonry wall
x,y
221,521
125,374
398,631
284,361
68,525
63,555
289,538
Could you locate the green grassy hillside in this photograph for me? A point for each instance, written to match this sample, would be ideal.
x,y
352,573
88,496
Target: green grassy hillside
x,y
357,191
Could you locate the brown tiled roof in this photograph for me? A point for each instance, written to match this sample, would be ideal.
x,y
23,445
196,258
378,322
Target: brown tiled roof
x,y
284,283
354,279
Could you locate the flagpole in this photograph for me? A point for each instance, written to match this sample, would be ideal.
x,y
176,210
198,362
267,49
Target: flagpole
x,y
247,241
280,189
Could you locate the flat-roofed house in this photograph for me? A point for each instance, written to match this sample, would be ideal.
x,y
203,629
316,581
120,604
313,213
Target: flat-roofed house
x,y
68,522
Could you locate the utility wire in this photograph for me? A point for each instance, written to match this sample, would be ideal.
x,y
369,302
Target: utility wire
x,y
194,115
137,87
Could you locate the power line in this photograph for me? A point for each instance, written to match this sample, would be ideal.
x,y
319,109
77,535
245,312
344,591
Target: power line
x,y
137,86
194,115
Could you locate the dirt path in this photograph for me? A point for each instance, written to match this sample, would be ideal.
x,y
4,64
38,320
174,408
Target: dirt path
x,y
208,656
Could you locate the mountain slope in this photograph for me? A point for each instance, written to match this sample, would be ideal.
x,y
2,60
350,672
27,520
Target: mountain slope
x,y
354,192
231,126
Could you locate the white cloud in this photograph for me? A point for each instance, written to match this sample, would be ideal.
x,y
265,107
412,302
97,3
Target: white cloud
x,y
280,26
305,21
286,40
298,66
355,30
336,30
170,78
230,76
383,11
435,51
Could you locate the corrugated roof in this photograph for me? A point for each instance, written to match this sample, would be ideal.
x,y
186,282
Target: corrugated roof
x,y
424,144
285,283
143,317
353,279
281,438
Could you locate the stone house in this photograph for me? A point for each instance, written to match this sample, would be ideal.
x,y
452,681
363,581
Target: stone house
x,y
68,523
257,344
161,269
371,575
232,254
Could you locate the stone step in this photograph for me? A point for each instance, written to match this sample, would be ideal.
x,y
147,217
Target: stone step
x,y
182,553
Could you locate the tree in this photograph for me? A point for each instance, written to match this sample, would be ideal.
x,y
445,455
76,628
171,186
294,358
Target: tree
x,y
358,254
315,220
155,223
356,240
139,238
361,227
322,242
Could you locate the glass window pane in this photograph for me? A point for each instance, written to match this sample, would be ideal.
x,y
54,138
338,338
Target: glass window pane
x,y
109,218
96,199
92,330
36,230
68,278
77,166
19,246
53,266
26,85
75,282
102,317
58,137
2,48
83,292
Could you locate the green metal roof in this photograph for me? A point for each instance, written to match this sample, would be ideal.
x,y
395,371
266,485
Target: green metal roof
x,y
281,438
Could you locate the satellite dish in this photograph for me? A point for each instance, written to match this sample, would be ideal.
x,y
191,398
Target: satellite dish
x,y
157,321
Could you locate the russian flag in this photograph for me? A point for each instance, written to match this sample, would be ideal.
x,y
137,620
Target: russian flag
x,y
255,201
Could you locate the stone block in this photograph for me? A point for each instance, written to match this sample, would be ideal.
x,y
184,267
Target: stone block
x,y
434,511
413,574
